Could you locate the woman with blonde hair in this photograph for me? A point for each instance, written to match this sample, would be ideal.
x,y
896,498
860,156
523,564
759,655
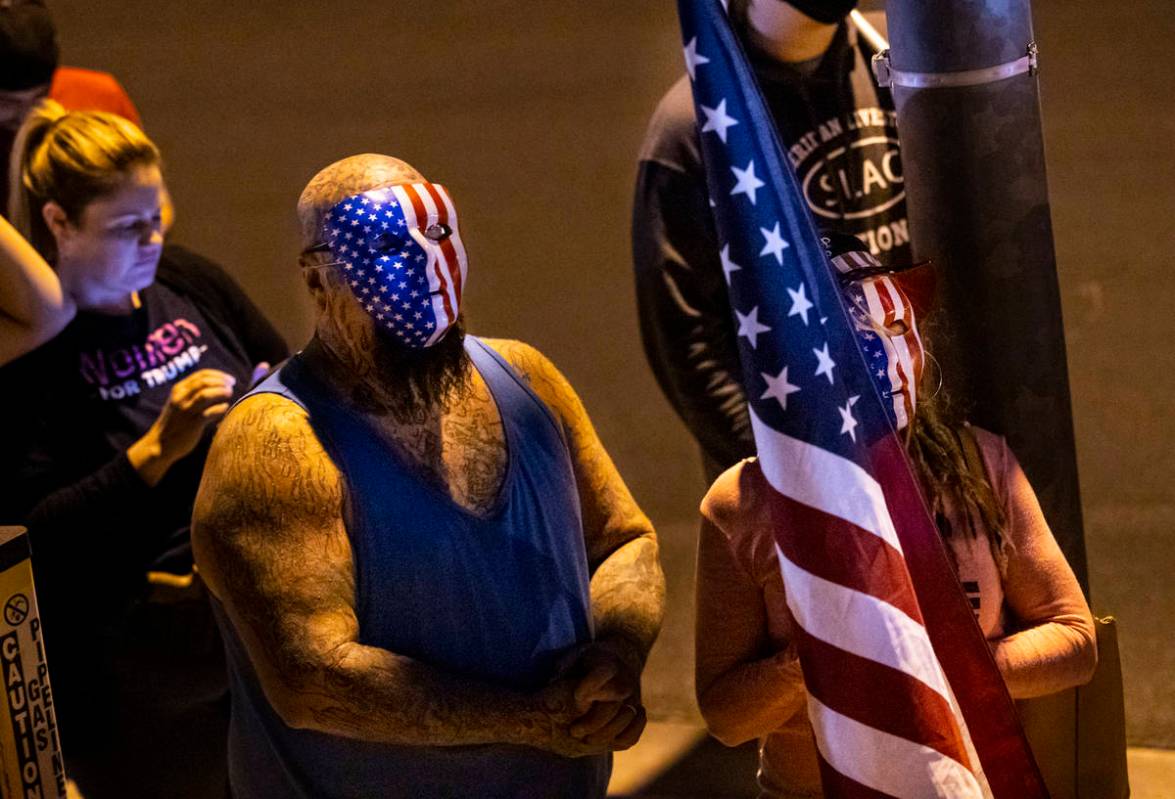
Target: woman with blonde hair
x,y
1024,594
119,355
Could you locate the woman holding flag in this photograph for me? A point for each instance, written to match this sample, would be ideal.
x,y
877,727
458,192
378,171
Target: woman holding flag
x,y
1024,595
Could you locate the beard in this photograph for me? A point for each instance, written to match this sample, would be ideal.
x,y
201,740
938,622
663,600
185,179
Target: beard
x,y
415,383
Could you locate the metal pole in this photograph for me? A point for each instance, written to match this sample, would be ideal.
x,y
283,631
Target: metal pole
x,y
963,78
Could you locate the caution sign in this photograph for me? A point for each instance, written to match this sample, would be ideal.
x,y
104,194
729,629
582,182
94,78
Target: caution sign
x,y
30,752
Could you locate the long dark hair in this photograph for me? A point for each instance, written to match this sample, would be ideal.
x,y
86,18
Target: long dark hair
x,y
936,454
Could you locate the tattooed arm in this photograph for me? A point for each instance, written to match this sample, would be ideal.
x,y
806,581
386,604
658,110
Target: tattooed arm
x,y
269,538
627,586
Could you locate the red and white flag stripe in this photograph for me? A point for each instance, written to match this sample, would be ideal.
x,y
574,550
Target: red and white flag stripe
x,y
426,204
884,301
850,593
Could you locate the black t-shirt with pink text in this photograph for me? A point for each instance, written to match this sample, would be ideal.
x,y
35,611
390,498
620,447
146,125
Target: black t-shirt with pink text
x,y
71,408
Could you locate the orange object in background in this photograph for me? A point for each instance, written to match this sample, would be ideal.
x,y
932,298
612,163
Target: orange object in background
x,y
89,90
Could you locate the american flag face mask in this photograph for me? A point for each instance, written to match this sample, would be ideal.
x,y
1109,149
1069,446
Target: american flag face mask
x,y
401,251
887,330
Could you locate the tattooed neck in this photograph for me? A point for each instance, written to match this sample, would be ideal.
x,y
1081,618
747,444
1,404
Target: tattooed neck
x,y
405,396
457,441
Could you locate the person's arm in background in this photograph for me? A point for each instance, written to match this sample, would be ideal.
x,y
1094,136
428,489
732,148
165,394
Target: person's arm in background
x,y
627,584
33,306
1056,645
746,687
269,538
686,323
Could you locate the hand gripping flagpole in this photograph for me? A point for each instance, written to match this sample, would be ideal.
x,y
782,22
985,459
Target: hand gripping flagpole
x,y
905,697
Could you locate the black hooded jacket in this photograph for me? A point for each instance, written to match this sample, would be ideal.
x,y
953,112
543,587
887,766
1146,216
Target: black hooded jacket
x,y
840,133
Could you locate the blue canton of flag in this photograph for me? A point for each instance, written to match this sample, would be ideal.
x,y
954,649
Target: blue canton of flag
x,y
797,345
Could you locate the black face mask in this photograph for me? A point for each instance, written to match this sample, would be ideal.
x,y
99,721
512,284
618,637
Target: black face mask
x,y
829,12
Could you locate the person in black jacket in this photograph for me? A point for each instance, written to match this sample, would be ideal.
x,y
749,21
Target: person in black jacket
x,y
107,418
839,131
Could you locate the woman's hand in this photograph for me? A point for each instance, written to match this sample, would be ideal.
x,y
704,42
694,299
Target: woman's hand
x,y
200,399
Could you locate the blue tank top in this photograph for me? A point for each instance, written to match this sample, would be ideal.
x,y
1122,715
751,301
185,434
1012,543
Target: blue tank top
x,y
499,597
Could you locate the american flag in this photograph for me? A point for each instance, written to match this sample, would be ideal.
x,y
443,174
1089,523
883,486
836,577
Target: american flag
x,y
403,256
905,699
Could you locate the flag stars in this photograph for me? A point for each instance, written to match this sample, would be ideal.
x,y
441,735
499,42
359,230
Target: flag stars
x,y
824,362
729,267
717,120
693,59
750,326
848,425
773,244
778,388
746,182
800,304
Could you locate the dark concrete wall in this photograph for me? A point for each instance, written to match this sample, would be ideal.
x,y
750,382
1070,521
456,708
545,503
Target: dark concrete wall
x,y
532,114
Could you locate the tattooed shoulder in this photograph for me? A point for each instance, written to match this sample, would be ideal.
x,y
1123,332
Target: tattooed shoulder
x,y
544,378
268,470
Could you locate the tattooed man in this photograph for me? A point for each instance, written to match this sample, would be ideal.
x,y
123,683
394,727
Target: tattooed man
x,y
431,579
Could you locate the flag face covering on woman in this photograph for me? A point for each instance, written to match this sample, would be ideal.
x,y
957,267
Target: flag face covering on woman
x,y
887,330
403,257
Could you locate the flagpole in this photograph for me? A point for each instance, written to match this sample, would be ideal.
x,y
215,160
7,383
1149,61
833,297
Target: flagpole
x,y
963,75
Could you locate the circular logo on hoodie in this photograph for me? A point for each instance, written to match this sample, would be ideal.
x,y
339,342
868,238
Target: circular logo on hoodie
x,y
854,181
